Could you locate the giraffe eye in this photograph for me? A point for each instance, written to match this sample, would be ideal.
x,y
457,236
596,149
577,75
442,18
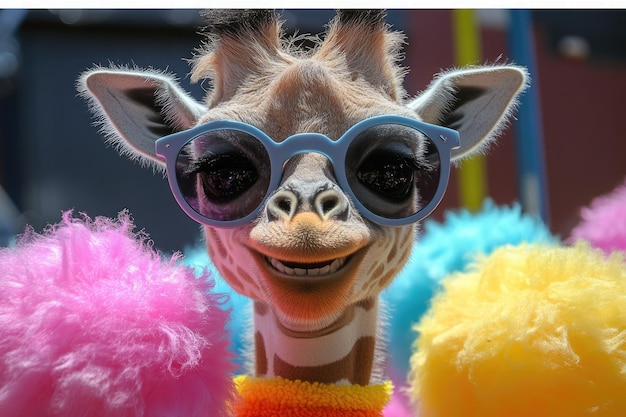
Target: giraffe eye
x,y
225,176
388,174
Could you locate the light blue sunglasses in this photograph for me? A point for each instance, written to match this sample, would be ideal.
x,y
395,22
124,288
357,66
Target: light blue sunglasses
x,y
395,169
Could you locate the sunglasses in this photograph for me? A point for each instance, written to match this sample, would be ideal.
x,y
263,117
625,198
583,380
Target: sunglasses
x,y
394,169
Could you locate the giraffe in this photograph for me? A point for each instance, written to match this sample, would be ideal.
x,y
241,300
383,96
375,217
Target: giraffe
x,y
288,234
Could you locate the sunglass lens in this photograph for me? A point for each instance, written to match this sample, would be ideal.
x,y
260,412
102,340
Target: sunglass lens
x,y
393,170
222,174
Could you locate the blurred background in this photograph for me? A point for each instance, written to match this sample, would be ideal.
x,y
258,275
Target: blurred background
x,y
52,159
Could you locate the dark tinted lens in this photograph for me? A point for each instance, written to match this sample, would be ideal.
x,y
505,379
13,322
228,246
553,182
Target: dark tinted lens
x,y
428,176
223,174
393,170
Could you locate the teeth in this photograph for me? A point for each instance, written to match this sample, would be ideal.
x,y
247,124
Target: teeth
x,y
334,266
337,263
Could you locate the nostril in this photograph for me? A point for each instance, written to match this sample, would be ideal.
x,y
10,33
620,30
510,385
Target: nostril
x,y
282,205
330,203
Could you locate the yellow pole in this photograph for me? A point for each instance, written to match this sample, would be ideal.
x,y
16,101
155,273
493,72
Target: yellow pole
x,y
473,171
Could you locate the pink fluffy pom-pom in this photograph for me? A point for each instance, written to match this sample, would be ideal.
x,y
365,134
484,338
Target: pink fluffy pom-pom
x,y
603,222
94,323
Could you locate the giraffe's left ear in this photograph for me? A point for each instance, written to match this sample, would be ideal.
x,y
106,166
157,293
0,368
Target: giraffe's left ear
x,y
476,102
137,107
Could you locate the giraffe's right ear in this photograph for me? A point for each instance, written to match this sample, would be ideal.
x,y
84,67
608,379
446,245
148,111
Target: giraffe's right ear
x,y
136,107
475,101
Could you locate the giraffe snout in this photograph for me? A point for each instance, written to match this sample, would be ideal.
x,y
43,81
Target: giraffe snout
x,y
328,204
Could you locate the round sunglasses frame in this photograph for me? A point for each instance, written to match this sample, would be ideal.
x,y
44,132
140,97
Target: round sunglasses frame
x,y
445,139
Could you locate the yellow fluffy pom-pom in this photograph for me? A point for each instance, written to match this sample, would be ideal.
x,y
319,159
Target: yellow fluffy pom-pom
x,y
528,331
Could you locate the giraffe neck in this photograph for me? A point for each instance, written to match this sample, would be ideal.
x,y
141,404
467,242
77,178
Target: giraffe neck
x,y
344,352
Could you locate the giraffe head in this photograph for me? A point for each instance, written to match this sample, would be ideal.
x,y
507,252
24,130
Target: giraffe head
x,y
312,245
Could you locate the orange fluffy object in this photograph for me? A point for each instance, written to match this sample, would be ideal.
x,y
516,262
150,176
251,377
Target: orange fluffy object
x,y
528,331
261,397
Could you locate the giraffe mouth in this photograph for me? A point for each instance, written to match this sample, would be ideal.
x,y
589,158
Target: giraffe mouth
x,y
298,269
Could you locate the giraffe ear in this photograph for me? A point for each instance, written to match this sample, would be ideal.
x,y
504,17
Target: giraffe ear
x,y
137,107
476,102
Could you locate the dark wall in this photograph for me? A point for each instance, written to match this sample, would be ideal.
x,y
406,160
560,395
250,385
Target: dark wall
x,y
581,103
63,162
